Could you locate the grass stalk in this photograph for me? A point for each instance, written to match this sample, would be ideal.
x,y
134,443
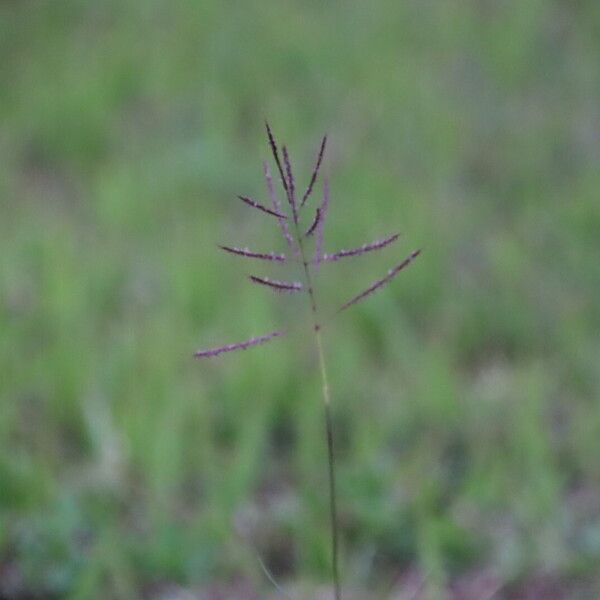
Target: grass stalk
x,y
331,462
295,239
335,576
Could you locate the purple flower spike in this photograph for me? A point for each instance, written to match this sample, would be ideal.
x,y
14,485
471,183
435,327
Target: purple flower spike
x,y
323,210
291,190
283,225
315,223
381,282
259,206
275,152
238,345
278,286
315,171
249,254
376,245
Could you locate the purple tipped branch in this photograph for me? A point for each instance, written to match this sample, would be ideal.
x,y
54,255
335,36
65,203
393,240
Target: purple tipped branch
x,y
381,282
323,210
285,230
249,254
315,223
275,152
259,206
376,245
291,189
315,172
238,345
278,286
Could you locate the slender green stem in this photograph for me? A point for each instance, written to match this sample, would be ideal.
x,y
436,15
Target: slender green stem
x,y
328,417
331,462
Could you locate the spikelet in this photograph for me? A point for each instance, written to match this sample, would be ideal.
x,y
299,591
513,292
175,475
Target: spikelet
x,y
238,345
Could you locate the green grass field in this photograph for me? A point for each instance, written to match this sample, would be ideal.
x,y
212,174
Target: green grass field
x,y
465,393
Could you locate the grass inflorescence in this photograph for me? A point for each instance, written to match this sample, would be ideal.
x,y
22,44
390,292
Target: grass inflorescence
x,y
300,241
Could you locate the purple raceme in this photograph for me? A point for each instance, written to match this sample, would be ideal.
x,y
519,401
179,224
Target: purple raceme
x,y
283,224
255,204
376,245
314,224
291,189
381,282
249,254
315,172
323,214
275,152
255,341
278,286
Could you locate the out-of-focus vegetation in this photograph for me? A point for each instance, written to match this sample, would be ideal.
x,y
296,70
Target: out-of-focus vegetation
x,y
466,394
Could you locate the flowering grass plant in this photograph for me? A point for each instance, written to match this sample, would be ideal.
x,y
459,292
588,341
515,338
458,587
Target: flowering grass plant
x,y
303,235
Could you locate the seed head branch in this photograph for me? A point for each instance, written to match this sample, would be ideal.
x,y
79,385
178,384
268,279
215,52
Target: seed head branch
x,y
315,223
381,282
283,225
278,286
291,189
376,245
254,204
275,152
272,256
238,345
323,210
315,171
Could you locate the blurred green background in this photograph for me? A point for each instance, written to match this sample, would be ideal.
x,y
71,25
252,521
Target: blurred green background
x,y
466,393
